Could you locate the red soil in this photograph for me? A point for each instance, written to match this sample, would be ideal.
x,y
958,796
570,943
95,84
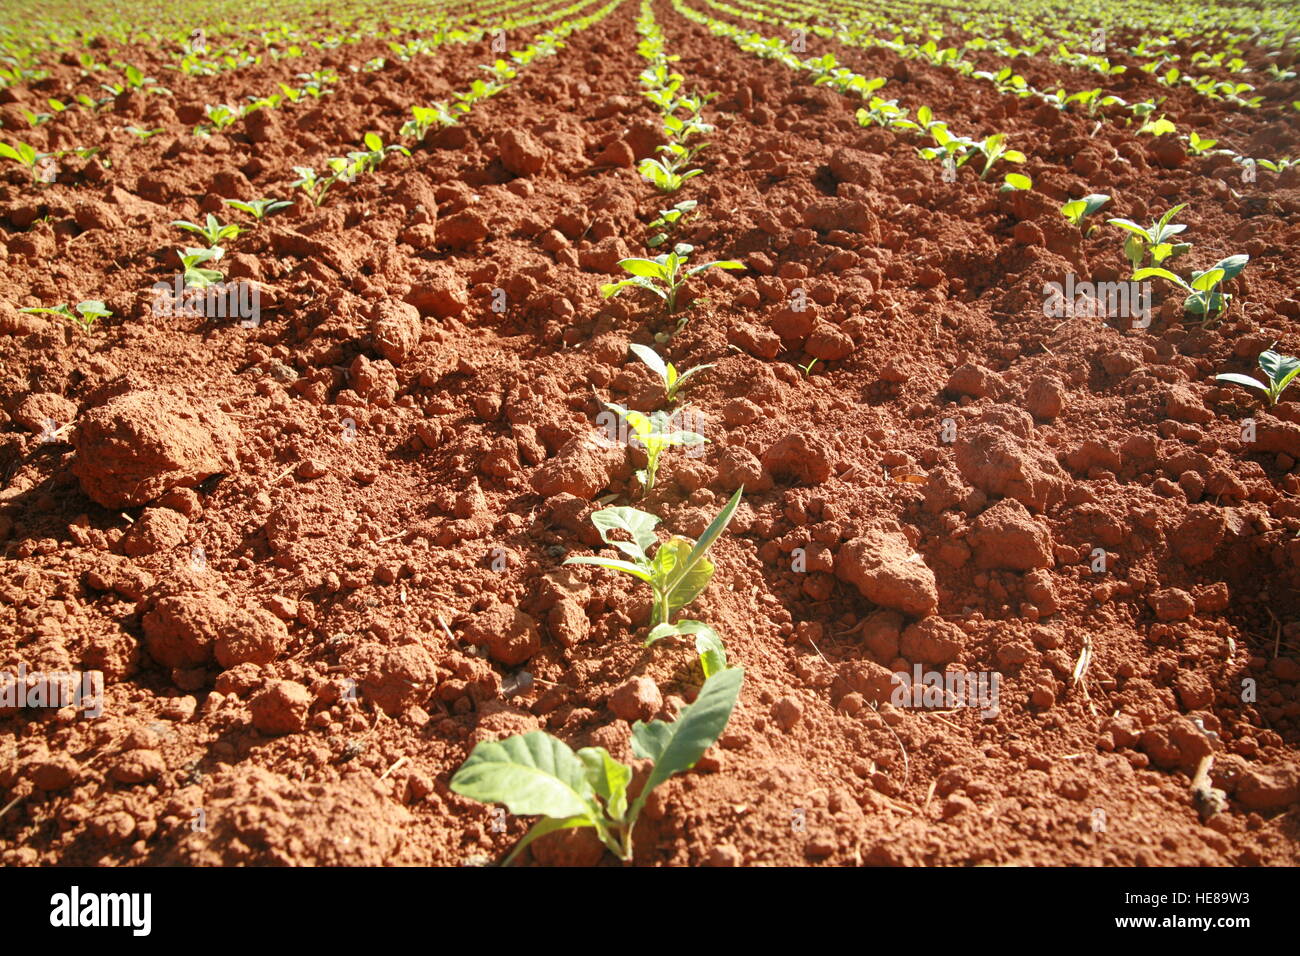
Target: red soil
x,y
376,487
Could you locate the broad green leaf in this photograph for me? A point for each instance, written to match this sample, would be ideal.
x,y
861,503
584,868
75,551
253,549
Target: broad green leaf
x,y
532,773
1232,265
614,564
648,268
1207,280
1202,303
685,582
1093,202
639,525
1279,368
1018,181
1157,272
651,358
677,746
608,778
1130,226
1238,379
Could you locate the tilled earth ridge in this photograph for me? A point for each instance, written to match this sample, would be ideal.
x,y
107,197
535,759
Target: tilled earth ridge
x,y
397,495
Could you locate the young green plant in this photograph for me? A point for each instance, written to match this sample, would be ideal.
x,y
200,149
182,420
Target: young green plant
x,y
192,260
211,230
1077,210
259,209
679,570
535,774
668,220
1203,295
654,433
1154,241
664,275
1280,370
86,314
666,371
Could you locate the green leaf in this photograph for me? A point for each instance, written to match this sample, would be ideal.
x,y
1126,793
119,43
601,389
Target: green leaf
x,y
651,358
716,527
1157,272
613,564
532,773
608,778
1238,379
647,268
1232,265
684,582
1207,280
675,747
1018,181
719,264
1279,368
373,142
1130,226
708,645
639,525
1093,202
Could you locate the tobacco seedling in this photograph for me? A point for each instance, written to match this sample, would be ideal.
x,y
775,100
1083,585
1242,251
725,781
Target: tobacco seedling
x,y
212,230
535,774
664,173
313,186
1077,210
143,134
664,275
1157,127
25,155
259,209
678,572
1203,295
654,433
993,148
220,115
668,220
1197,146
424,118
682,130
369,159
1153,241
192,260
666,371
887,113
1279,369
87,313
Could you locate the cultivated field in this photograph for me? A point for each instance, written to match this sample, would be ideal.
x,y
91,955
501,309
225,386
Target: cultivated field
x,y
726,432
